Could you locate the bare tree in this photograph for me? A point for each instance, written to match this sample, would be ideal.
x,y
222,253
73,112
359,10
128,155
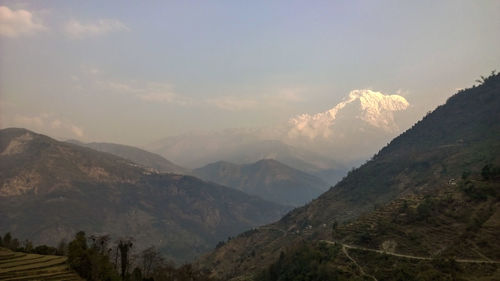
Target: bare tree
x,y
151,257
100,243
124,245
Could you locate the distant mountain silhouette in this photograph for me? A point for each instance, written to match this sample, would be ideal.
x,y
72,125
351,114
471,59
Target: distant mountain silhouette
x,y
242,147
268,179
137,155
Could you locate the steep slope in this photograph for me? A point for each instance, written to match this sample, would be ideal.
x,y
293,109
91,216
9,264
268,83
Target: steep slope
x,y
50,189
136,155
268,179
462,135
447,231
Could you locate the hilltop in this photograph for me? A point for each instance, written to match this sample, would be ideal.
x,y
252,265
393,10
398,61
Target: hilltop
x,y
136,155
268,179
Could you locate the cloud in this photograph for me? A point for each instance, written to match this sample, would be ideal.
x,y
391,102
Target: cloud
x,y
77,131
155,92
50,123
374,108
17,23
91,70
77,30
120,87
164,97
233,103
290,95
148,92
273,99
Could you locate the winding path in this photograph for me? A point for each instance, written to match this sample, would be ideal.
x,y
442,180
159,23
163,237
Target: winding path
x,y
346,246
344,250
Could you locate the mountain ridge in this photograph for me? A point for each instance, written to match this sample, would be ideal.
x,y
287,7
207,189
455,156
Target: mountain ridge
x,y
77,188
266,178
462,135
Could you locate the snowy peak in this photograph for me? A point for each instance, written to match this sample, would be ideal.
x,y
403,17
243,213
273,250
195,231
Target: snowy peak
x,y
377,109
374,108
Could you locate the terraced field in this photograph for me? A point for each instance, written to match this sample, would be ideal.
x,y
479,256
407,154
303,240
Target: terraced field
x,y
22,266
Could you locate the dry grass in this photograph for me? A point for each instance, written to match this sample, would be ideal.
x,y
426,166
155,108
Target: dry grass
x,y
22,266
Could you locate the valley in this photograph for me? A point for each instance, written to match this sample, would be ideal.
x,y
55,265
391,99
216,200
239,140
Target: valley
x,y
250,141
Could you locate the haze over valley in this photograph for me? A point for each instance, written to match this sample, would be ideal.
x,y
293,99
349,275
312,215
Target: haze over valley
x,y
249,141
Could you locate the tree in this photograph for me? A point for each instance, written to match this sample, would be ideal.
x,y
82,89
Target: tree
x,y
124,245
14,244
150,257
28,246
100,243
334,229
62,248
91,262
485,172
78,258
137,274
7,239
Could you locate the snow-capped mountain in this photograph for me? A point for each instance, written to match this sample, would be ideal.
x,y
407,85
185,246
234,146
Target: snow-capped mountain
x,y
374,108
350,130
344,135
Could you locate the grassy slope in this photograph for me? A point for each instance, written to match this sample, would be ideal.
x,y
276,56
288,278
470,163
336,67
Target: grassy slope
x,y
22,266
318,261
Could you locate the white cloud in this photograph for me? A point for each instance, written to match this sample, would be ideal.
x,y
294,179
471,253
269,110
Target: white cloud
x,y
56,124
275,98
120,87
77,30
290,95
233,103
374,108
148,92
155,92
30,121
164,97
17,23
77,131
48,123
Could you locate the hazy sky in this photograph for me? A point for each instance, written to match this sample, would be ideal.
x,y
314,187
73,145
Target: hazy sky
x,y
136,71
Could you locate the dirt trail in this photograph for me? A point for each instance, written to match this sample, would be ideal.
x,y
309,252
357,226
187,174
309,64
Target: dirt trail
x,y
344,250
405,256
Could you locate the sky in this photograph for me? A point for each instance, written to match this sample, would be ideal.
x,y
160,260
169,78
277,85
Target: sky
x,y
134,72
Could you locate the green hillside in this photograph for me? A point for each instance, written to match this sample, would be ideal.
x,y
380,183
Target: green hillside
x,y
22,266
424,194
451,234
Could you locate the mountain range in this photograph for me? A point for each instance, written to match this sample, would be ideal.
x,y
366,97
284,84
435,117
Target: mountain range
x,y
49,190
425,207
320,144
136,155
267,178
